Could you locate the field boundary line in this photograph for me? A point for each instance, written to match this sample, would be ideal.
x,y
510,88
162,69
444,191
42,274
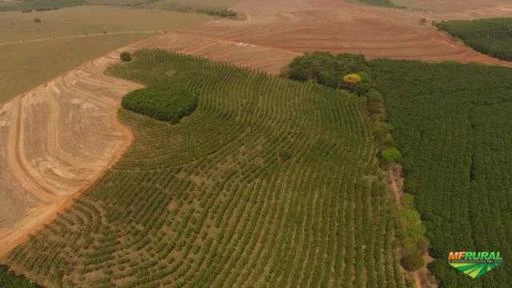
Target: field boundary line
x,y
128,32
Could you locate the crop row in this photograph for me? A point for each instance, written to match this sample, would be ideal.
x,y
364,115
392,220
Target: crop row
x,y
266,184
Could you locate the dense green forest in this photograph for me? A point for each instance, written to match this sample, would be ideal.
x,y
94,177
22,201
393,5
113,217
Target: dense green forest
x,y
489,36
10,280
453,125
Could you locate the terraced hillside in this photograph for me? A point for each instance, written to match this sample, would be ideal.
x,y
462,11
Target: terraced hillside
x,y
269,183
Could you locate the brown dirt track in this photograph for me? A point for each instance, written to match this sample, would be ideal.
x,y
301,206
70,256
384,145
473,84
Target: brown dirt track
x,y
58,139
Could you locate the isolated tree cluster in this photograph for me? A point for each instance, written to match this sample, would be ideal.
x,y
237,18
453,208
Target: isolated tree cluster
x,y
334,71
125,56
167,102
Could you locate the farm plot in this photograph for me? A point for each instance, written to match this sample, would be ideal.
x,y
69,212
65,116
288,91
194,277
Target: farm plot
x,y
28,65
33,53
59,137
452,123
340,27
268,182
85,20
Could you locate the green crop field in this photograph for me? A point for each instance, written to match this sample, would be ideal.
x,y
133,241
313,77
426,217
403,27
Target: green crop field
x,y
489,36
268,183
453,123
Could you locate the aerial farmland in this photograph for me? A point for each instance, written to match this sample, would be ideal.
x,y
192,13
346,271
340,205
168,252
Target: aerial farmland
x,y
175,143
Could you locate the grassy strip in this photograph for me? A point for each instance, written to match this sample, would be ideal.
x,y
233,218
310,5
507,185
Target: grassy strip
x,y
41,5
48,5
381,3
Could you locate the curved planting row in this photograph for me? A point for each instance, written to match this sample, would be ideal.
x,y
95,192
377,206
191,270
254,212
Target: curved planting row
x,y
265,184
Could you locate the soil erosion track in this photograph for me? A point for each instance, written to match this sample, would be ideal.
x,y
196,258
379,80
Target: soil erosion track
x,y
55,141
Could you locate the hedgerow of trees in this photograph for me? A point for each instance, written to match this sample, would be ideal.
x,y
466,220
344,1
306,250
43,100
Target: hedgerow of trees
x,y
40,5
490,36
351,72
382,3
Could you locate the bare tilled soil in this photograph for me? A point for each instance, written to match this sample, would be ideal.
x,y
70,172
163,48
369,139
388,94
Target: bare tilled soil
x,y
55,141
259,57
338,27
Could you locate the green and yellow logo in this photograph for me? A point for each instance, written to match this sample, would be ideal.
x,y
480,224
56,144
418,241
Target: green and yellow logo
x,y
475,264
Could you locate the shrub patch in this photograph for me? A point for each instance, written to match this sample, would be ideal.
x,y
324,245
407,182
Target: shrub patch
x,y
167,102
